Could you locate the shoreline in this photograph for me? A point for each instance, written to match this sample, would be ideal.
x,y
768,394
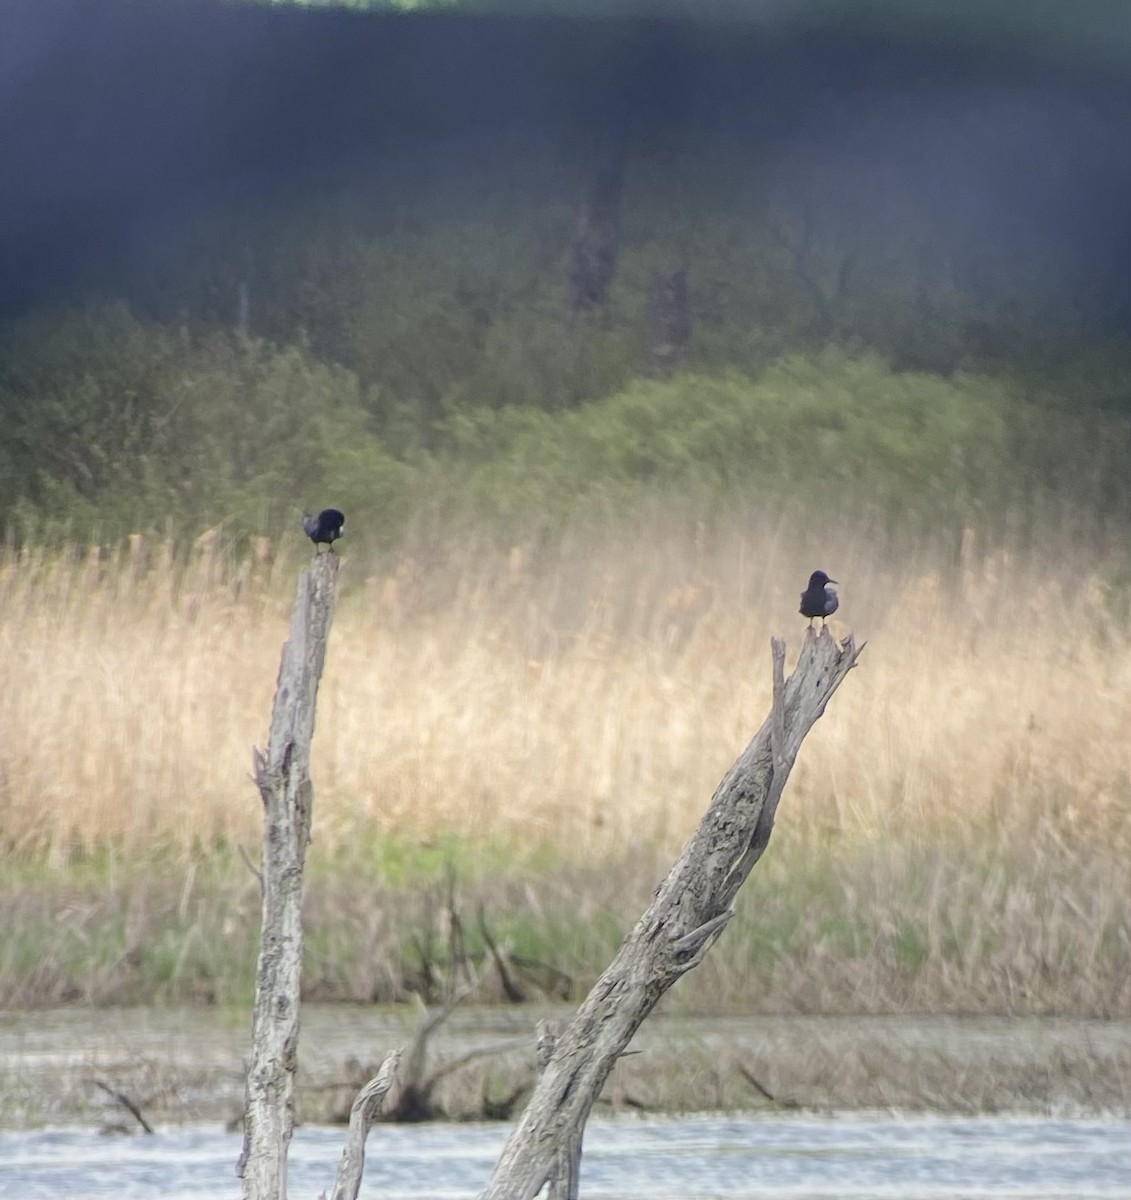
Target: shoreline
x,y
185,1066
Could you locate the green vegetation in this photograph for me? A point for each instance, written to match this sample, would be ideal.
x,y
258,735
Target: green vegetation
x,y
835,930
570,656
532,729
117,426
424,364
808,423
114,425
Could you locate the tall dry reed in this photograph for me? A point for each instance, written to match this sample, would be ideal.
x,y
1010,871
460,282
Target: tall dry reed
x,y
587,689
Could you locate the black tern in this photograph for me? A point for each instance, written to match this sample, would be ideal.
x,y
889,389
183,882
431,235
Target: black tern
x,y
326,528
819,599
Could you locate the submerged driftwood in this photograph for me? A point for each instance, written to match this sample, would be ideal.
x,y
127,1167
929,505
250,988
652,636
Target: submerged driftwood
x,y
282,774
692,907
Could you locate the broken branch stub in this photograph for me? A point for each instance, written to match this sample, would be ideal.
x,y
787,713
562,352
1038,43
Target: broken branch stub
x,y
692,907
363,1113
282,774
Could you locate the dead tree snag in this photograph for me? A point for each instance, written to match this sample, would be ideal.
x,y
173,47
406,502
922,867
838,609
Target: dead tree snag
x,y
282,774
595,243
692,907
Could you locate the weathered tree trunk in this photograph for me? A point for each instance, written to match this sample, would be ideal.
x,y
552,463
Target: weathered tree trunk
x,y
282,775
669,320
564,1180
692,907
595,243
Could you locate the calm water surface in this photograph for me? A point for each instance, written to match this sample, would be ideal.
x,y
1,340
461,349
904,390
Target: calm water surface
x,y
689,1158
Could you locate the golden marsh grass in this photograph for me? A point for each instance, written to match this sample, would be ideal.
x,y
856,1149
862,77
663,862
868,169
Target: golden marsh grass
x,y
588,692
955,835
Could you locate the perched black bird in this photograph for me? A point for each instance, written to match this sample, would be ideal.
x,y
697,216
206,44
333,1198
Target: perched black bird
x,y
326,528
819,599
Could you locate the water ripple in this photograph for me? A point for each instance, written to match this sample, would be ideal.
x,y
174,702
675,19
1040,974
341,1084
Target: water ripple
x,y
689,1158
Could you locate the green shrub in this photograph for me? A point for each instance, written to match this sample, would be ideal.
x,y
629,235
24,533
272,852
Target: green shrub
x,y
814,426
114,425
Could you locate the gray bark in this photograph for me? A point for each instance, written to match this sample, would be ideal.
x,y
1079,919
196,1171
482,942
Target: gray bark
x,y
415,1100
692,907
363,1113
564,1181
282,774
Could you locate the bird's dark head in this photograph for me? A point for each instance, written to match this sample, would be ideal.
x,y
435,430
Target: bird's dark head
x,y
818,579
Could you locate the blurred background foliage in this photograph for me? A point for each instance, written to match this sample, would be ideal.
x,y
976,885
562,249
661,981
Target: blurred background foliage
x,y
436,367
903,303
258,258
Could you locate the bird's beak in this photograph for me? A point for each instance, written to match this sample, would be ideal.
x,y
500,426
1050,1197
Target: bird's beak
x,y
834,581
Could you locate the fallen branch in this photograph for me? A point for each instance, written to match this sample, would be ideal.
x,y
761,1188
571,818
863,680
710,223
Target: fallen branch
x,y
245,858
764,1092
512,989
452,1065
126,1103
414,1101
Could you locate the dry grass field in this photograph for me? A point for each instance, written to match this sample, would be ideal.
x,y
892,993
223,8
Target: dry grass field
x,y
965,800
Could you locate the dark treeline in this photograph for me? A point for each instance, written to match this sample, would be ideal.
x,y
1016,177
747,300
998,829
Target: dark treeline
x,y
228,233
118,112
